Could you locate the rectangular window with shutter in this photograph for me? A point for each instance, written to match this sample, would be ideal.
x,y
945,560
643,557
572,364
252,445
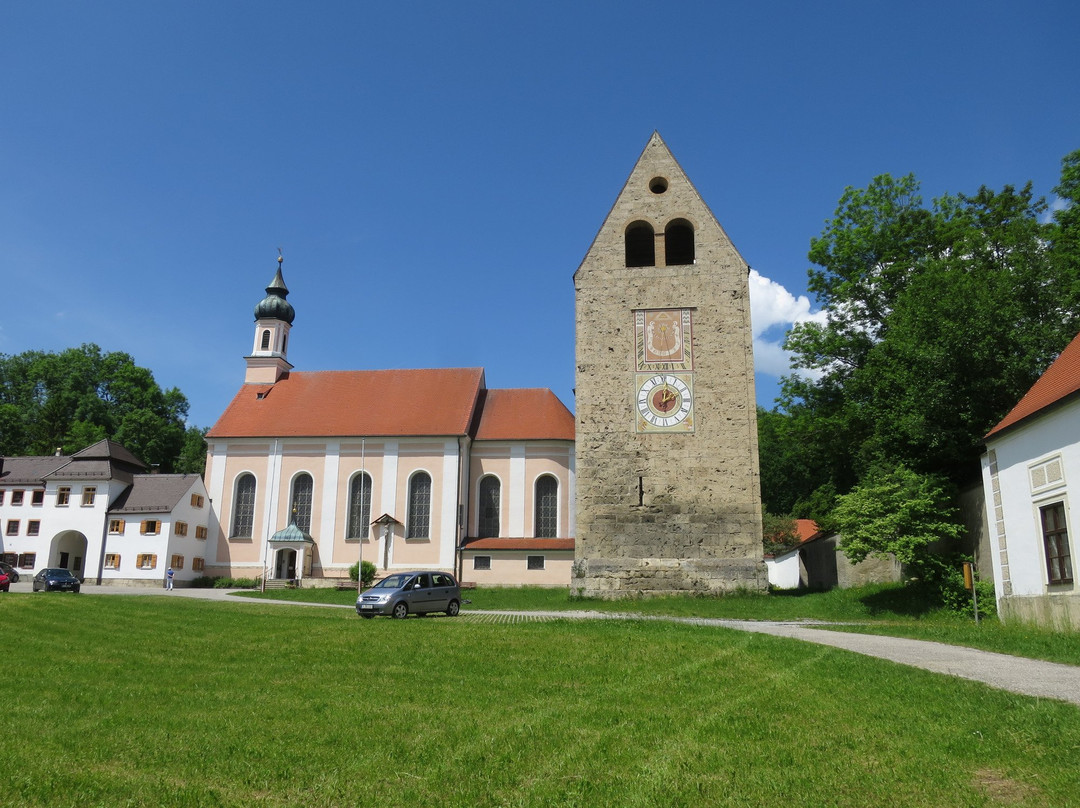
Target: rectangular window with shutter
x,y
146,561
177,562
197,564
116,525
180,528
200,531
112,561
150,527
196,501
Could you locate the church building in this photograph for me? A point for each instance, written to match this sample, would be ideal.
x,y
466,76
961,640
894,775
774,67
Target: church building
x,y
307,479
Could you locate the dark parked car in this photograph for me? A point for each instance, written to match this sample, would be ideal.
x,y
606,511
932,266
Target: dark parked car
x,y
55,579
417,592
10,572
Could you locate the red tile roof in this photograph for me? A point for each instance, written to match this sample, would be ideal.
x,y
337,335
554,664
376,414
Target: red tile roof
x,y
527,414
344,403
1060,381
806,529
520,544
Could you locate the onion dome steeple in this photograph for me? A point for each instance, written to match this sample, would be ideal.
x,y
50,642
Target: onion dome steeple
x,y
269,359
274,306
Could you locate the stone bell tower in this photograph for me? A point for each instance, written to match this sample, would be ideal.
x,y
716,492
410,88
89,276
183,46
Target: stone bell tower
x,y
668,490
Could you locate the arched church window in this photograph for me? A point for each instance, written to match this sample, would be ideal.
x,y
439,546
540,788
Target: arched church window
x,y
418,524
640,245
301,501
488,511
678,243
359,506
266,340
547,507
244,506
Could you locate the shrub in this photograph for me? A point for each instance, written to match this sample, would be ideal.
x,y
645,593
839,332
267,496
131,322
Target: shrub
x,y
236,583
365,571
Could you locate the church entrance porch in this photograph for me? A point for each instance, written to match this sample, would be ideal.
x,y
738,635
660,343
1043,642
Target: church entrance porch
x,y
285,567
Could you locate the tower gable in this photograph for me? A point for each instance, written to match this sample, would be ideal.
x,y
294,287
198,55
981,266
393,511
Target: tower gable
x,y
668,486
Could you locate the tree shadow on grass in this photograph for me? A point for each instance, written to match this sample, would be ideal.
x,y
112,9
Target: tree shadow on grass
x,y
911,600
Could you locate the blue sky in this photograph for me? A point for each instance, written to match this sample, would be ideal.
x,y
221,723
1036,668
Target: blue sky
x,y
435,172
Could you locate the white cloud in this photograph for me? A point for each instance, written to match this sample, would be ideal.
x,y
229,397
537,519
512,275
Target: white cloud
x,y
773,310
1055,205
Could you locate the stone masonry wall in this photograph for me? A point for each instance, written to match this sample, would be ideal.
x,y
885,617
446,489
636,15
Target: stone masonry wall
x,y
670,511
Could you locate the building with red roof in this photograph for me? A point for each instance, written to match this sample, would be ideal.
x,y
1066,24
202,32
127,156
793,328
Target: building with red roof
x,y
466,479
1032,462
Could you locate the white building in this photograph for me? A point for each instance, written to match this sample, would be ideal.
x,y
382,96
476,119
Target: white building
x,y
1031,470
100,515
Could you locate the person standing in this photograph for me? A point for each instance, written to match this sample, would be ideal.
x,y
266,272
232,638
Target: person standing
x,y
168,578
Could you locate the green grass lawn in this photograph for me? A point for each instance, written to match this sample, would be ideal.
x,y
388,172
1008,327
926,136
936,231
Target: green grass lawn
x,y
878,609
115,700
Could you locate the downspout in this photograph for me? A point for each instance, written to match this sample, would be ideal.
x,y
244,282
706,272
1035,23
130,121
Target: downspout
x,y
462,512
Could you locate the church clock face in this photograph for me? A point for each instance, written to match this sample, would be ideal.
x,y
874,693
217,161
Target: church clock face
x,y
665,402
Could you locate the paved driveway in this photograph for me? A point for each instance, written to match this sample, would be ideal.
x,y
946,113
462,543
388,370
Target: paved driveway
x,y
1030,677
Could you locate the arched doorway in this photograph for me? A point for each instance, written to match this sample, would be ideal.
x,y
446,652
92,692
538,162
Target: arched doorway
x,y
68,550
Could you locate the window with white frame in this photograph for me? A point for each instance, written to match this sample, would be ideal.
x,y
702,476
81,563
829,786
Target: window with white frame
x,y
419,517
1056,543
63,495
89,493
359,506
546,507
243,520
488,523
112,561
302,491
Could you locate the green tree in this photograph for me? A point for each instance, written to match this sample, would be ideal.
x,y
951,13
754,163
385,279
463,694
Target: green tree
x,y
71,399
939,319
192,458
899,512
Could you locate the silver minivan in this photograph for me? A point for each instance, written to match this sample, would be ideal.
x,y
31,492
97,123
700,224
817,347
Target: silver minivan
x,y
418,592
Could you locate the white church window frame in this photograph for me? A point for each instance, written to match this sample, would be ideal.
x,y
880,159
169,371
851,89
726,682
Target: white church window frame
x,y
358,516
302,500
242,524
489,513
418,519
546,508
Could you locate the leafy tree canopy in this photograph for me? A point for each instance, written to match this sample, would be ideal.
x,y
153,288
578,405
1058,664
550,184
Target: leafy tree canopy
x,y
939,319
72,399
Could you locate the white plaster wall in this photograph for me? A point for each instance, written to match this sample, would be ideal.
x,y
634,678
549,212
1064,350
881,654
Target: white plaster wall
x,y
1058,432
784,570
